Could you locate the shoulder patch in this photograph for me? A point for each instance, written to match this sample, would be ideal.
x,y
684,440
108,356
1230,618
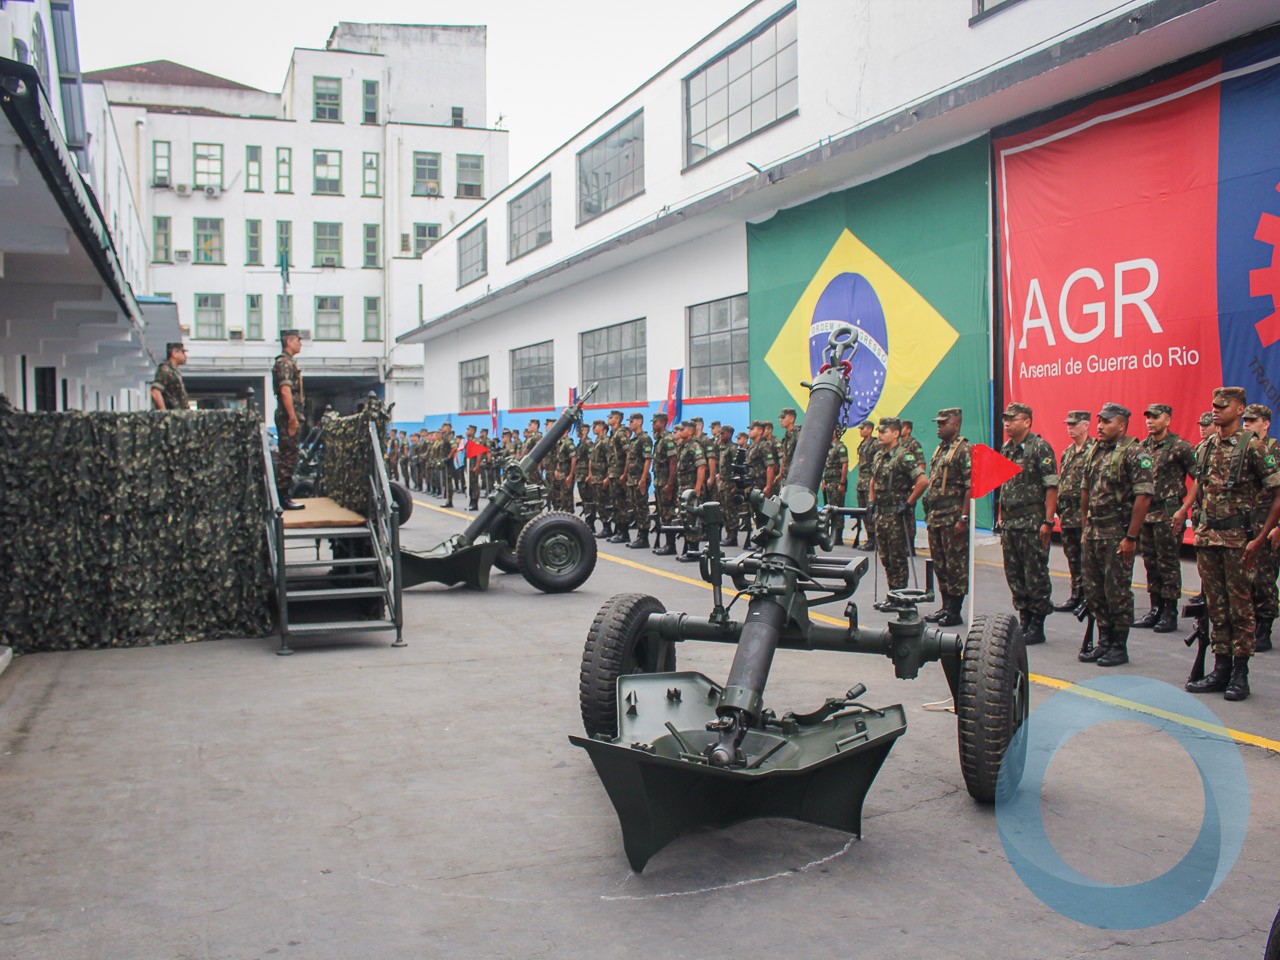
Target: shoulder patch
x,y
1271,460
1047,462
909,457
1145,463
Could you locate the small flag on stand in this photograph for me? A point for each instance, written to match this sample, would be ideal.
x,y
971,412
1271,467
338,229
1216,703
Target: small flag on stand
x,y
990,469
674,405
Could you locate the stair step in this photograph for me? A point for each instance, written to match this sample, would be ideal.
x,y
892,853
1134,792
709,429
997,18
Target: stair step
x,y
337,626
334,593
326,564
325,533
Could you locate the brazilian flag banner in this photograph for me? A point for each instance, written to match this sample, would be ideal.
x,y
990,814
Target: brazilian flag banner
x,y
904,259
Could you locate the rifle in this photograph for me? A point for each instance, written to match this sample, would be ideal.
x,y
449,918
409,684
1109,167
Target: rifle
x,y
1199,609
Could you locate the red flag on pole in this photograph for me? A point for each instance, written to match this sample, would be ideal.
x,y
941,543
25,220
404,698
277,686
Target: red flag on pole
x,y
990,469
476,449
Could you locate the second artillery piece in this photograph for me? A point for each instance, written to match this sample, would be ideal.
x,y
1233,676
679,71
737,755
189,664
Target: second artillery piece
x,y
675,750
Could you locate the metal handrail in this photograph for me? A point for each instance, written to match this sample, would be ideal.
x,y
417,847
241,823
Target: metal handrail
x,y
384,521
274,517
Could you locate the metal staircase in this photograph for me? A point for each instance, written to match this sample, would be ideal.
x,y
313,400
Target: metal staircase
x,y
337,579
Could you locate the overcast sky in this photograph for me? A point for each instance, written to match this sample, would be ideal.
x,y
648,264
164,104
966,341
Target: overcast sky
x,y
552,66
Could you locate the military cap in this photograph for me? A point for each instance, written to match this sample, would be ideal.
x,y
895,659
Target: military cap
x,y
866,423
685,424
757,423
615,413
286,334
1110,410
1224,395
1206,419
176,345
660,416
1257,411
506,429
1017,409
890,423
726,428
636,416
695,420
787,411
1155,409
1078,416
946,413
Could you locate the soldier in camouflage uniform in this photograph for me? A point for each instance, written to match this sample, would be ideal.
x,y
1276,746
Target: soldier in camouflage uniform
x,y
561,473
286,380
448,469
897,483
168,392
1070,492
1028,502
1233,470
603,457
790,434
727,487
581,470
664,482
761,459
1173,460
619,437
835,479
767,438
639,462
867,450
909,442
946,505
1257,420
1119,482
691,474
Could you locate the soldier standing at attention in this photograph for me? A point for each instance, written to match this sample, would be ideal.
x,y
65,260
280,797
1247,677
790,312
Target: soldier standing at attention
x,y
581,469
897,483
867,450
1233,470
286,380
664,483
946,506
448,442
1207,430
1119,484
1173,460
762,459
1028,503
1070,488
691,474
767,438
835,479
727,488
909,442
619,436
561,474
168,392
603,454
639,462
1257,420
790,433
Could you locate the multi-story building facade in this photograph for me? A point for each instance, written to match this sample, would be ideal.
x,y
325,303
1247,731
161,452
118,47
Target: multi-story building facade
x,y
308,209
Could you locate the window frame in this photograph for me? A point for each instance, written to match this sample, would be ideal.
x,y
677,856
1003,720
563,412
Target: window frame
x,y
376,257
284,311
253,329
466,401
197,250
589,371
422,187
376,313
523,395
336,105
252,169
475,161
736,336
983,9
514,233
482,228
317,254
284,169
250,236
204,178
376,167
431,241
583,216
316,163
288,247
168,163
365,93
155,239
222,317
316,333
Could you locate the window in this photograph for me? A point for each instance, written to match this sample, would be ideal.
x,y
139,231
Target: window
x,y
473,254
162,239
611,170
211,322
372,176
615,356
161,154
456,117
253,317
328,171
370,103
328,245
426,174
328,99
328,318
533,376
373,318
744,90
473,377
284,170
284,311
372,245
253,242
529,219
208,165
284,243
718,358
470,176
208,240
424,236
981,7
253,169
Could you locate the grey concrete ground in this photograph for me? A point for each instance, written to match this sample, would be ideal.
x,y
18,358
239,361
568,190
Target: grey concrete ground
x,y
354,800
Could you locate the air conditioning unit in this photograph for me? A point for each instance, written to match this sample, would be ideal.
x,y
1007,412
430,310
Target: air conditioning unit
x,y
182,189
328,261
433,191
235,333
160,181
212,192
182,256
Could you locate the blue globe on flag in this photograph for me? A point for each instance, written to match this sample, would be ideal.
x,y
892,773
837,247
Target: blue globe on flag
x,y
850,298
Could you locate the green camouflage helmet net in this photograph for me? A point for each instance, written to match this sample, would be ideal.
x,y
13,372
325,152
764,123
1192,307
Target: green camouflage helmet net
x,y
126,529
346,455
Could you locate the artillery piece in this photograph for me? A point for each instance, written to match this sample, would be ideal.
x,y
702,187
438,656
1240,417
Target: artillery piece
x,y
552,550
676,750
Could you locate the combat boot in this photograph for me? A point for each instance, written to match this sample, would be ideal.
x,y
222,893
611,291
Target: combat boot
x,y
940,614
1168,621
1033,632
691,553
1152,616
641,540
619,533
1099,650
1216,680
1070,603
1117,651
1262,635
606,530
730,540
1238,687
669,550
951,607
590,521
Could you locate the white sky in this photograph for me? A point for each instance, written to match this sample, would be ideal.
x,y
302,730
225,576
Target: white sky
x,y
552,67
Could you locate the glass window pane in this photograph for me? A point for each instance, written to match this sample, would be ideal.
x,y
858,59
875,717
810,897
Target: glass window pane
x,y
786,28
739,125
697,87
787,63
764,111
764,46
788,97
739,62
717,75
739,94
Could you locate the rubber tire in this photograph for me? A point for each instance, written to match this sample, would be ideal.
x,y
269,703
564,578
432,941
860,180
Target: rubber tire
x,y
403,498
536,532
303,490
614,648
1273,941
506,557
991,704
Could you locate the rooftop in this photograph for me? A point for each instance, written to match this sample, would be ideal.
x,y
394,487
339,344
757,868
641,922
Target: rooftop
x,y
168,73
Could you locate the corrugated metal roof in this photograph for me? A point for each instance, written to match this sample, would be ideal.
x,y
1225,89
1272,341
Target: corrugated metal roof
x,y
169,73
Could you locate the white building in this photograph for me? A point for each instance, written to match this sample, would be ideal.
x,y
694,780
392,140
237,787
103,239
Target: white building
x,y
374,148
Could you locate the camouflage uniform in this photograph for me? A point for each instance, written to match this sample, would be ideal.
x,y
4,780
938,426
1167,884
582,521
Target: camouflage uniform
x,y
1266,602
562,475
603,456
581,466
944,504
664,451
1115,475
895,474
1022,502
1070,488
391,457
1173,460
285,373
639,449
760,457
169,382
835,481
787,448
726,487
913,447
867,451
689,459
618,494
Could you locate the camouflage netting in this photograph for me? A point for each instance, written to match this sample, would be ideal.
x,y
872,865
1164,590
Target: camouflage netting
x,y
346,455
127,529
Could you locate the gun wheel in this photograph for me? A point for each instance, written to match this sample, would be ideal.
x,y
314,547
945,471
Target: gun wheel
x,y
404,500
992,702
1273,941
506,558
556,552
617,645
